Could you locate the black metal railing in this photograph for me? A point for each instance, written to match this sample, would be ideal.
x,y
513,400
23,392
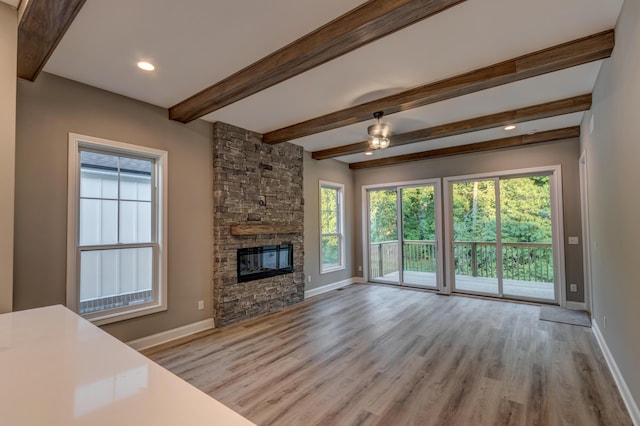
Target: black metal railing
x,y
520,261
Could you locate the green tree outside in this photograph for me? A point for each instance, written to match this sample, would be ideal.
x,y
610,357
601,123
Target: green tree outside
x,y
525,217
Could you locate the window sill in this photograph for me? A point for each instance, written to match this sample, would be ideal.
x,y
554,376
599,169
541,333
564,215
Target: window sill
x,y
334,269
113,317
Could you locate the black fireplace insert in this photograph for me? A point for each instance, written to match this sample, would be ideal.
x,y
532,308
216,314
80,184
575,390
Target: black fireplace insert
x,y
262,262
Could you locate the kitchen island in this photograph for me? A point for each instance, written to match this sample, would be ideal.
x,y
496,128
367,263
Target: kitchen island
x,y
58,369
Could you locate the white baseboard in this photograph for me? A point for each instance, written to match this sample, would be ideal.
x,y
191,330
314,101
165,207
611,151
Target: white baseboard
x,y
631,404
576,306
329,287
169,335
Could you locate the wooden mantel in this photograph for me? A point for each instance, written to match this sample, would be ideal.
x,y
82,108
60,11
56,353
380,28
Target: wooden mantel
x,y
265,229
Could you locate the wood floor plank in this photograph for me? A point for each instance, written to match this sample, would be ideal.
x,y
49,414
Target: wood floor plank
x,y
383,355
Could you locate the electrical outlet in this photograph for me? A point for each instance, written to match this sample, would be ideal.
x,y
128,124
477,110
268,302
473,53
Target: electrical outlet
x,y
573,288
574,240
200,305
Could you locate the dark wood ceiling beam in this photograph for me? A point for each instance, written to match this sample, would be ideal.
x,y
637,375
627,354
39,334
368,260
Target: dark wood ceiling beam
x,y
566,55
511,142
536,112
358,27
43,25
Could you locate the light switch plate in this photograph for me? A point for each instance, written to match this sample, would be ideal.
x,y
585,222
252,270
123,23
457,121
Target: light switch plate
x,y
573,288
574,240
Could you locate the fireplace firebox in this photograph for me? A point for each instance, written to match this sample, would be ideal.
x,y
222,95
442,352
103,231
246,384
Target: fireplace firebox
x,y
255,263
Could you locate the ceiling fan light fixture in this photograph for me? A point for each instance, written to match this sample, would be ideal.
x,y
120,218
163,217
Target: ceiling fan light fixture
x,y
379,133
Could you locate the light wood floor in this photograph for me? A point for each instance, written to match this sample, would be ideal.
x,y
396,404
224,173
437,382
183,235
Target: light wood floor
x,y
379,355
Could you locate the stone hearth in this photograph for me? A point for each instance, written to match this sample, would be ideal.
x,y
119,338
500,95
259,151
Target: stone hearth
x,y
254,184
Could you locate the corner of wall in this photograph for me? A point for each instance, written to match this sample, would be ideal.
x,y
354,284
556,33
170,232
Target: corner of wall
x,y
338,172
8,66
610,138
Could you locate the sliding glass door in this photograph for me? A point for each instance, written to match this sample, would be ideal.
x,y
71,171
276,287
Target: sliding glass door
x,y
527,238
404,225
503,234
383,235
419,236
475,245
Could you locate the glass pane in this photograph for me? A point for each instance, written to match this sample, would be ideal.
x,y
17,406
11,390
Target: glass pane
x,y
383,238
115,278
329,222
98,175
135,222
329,198
98,222
419,236
98,184
269,257
135,186
527,254
474,237
331,256
285,251
329,210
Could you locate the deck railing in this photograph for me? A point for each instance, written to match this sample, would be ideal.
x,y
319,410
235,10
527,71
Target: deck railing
x,y
520,261
420,256
384,258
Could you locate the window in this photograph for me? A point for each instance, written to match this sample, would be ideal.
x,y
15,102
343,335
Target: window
x,y
331,230
116,254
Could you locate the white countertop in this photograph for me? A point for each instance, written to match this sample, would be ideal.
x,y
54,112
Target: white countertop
x,y
58,369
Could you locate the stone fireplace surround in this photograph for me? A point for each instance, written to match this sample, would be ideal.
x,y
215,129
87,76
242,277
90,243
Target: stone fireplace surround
x,y
246,172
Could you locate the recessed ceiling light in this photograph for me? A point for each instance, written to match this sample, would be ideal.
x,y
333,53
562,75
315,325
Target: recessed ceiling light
x,y
510,127
146,66
368,153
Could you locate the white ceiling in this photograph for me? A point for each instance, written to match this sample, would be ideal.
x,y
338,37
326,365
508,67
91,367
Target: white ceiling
x,y
13,3
198,43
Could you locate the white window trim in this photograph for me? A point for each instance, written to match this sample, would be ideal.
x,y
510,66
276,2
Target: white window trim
x,y
77,141
340,188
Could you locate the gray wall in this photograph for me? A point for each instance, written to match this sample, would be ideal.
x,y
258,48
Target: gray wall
x,y
613,151
565,153
46,112
8,53
332,171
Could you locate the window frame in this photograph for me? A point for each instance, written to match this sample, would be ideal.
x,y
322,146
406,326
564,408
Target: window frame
x,y
339,187
159,234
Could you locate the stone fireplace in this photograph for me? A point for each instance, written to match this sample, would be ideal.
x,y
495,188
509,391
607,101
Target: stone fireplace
x,y
258,202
